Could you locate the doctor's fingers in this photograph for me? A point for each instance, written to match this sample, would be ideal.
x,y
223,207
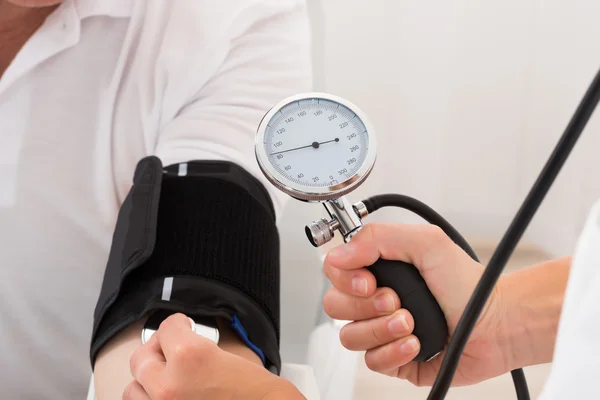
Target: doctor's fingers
x,y
356,282
419,245
393,355
344,307
369,334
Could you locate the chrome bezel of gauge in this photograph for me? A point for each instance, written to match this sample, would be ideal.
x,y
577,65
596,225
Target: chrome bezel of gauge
x,y
309,193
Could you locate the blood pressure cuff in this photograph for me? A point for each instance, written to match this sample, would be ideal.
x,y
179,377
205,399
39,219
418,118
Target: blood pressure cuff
x,y
198,238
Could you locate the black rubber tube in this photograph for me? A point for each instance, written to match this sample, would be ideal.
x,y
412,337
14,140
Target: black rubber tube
x,y
430,215
422,210
511,239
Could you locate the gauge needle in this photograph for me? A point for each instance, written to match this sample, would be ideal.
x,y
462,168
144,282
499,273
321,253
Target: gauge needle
x,y
314,144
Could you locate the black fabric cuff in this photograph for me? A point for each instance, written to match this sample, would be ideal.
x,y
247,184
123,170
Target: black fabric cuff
x,y
212,229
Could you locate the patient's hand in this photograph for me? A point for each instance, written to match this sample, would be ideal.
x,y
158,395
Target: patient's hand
x,y
178,364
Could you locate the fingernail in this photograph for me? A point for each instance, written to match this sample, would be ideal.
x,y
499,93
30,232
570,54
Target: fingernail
x,y
398,324
384,303
359,285
410,346
342,251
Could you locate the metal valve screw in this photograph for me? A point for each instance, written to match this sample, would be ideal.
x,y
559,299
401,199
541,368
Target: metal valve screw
x,y
321,231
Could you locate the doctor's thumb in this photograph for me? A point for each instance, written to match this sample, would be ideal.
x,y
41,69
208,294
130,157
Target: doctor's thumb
x,y
449,272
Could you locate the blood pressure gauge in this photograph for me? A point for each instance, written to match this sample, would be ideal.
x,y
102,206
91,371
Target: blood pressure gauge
x,y
317,147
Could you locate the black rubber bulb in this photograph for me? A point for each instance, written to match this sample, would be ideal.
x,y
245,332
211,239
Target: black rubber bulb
x,y
430,324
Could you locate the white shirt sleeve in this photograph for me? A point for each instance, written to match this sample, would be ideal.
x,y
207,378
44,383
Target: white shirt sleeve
x,y
266,58
576,364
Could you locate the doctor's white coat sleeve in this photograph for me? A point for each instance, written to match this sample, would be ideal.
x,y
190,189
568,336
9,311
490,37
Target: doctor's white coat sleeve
x,y
266,58
576,362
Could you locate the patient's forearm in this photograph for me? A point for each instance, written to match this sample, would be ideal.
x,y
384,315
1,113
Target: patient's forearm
x,y
112,374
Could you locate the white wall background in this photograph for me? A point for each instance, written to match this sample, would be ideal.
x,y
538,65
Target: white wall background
x,y
468,98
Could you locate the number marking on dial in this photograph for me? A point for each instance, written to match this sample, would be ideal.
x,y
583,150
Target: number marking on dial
x,y
316,143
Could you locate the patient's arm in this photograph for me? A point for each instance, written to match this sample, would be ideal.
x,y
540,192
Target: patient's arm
x,y
267,59
112,369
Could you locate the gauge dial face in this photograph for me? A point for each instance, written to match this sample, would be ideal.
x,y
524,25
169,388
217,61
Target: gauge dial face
x,y
315,146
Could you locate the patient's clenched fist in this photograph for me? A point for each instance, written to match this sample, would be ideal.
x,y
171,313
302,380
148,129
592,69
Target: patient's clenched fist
x,y
176,363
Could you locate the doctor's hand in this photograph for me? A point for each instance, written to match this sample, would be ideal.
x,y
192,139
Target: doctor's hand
x,y
383,328
178,364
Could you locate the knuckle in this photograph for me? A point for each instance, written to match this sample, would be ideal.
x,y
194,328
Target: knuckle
x,y
137,367
327,270
417,382
129,392
386,291
390,373
134,360
368,233
437,235
357,309
404,374
329,305
372,362
335,276
173,321
181,353
376,336
143,369
338,278
345,338
167,392
203,348
352,338
192,351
